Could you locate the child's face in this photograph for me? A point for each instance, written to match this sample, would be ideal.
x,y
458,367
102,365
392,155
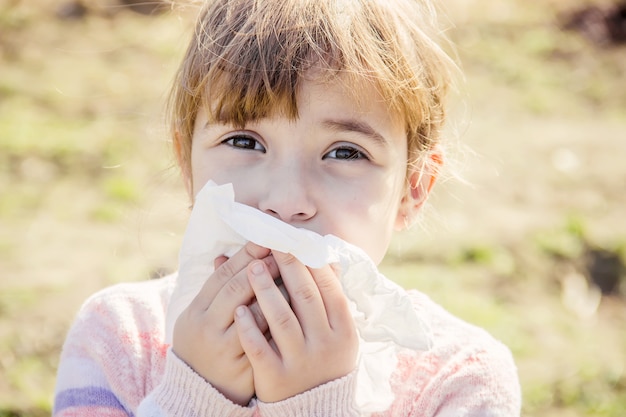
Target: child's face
x,y
339,168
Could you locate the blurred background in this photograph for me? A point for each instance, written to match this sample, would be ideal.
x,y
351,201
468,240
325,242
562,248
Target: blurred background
x,y
530,244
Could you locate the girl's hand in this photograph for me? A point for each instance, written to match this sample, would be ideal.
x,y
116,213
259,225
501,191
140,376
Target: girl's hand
x,y
313,341
205,336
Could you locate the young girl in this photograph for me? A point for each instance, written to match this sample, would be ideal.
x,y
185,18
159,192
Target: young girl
x,y
325,115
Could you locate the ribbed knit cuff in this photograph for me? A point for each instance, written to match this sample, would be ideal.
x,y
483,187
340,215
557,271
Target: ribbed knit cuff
x,y
335,398
183,392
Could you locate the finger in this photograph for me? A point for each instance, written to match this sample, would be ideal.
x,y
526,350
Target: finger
x,y
230,343
333,297
305,297
283,290
259,318
235,292
254,343
238,263
228,286
225,270
219,261
282,321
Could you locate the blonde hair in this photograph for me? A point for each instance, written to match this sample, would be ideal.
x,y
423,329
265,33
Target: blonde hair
x,y
248,57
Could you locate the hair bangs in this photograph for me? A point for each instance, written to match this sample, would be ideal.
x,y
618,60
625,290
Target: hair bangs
x,y
254,58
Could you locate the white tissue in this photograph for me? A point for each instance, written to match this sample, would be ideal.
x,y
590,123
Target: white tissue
x,y
382,311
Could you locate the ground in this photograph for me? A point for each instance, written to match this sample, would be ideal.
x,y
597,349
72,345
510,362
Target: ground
x,y
524,236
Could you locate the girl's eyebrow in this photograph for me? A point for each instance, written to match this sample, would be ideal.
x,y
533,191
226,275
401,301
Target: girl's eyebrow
x,y
358,126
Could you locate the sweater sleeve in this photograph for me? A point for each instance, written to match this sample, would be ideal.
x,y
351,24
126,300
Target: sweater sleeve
x,y
481,383
466,373
477,381
114,363
182,392
333,399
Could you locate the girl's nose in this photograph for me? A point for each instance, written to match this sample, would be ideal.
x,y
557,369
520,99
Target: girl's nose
x,y
287,195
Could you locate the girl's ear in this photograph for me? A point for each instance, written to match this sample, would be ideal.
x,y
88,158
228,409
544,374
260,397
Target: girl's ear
x,y
184,162
421,180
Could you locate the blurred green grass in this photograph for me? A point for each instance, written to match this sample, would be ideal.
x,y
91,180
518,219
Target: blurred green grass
x,y
88,195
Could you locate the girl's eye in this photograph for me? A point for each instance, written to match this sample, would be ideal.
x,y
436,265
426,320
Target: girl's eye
x,y
244,142
346,153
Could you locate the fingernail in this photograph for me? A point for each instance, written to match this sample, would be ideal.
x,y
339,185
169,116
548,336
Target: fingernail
x,y
257,268
240,311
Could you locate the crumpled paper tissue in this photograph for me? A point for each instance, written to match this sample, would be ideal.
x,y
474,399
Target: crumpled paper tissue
x,y
382,311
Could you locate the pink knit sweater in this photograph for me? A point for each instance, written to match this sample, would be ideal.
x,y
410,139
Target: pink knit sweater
x,y
115,363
